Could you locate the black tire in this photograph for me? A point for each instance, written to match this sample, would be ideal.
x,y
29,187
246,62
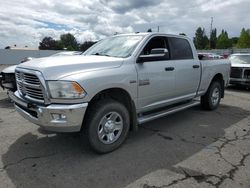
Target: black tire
x,y
207,100
92,123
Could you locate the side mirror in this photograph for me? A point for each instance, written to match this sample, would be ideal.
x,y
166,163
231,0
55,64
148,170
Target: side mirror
x,y
159,51
156,54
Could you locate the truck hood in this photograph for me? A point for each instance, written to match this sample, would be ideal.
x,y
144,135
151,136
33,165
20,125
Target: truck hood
x,y
243,65
55,68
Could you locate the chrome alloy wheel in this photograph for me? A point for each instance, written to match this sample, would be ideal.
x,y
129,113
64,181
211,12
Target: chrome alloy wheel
x,y
215,96
110,128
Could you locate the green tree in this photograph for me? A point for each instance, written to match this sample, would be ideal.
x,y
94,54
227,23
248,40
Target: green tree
x,y
70,48
223,42
59,45
86,45
47,43
69,41
234,41
244,40
149,30
201,40
213,38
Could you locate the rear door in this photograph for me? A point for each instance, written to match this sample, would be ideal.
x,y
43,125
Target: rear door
x,y
187,68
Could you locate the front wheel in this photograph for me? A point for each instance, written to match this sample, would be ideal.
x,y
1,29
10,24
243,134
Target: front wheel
x,y
107,125
211,100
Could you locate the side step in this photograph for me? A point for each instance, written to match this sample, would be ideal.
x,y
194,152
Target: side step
x,y
156,115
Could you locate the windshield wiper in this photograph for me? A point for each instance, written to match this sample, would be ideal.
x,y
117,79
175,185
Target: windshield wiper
x,y
101,54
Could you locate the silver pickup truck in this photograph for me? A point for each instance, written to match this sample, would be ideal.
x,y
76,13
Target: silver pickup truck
x,y
117,84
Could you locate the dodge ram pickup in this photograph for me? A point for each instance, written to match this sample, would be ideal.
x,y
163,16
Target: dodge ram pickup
x,y
117,84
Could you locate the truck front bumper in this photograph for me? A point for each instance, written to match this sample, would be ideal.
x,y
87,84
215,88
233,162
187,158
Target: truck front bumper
x,y
54,117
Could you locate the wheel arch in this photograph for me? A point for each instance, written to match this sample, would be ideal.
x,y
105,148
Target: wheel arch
x,y
219,77
122,96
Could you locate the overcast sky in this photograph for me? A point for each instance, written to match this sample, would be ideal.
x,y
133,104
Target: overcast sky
x,y
26,22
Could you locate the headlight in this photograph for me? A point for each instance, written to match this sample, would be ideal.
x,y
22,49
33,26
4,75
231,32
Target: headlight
x,y
65,90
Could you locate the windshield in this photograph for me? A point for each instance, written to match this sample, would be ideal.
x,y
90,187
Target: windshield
x,y
118,46
240,59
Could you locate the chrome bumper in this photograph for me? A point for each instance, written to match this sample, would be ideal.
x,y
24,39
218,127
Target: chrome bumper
x,y
55,117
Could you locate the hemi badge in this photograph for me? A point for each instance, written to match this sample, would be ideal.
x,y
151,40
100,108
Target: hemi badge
x,y
144,82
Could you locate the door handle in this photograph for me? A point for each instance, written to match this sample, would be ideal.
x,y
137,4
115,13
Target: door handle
x,y
196,66
169,68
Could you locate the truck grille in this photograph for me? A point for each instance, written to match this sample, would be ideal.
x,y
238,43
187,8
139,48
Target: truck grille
x,y
247,74
29,86
236,72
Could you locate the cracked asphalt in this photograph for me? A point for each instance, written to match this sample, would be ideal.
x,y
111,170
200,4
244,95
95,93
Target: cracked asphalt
x,y
222,163
192,148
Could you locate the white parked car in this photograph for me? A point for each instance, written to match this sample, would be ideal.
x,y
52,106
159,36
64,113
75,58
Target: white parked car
x,y
240,69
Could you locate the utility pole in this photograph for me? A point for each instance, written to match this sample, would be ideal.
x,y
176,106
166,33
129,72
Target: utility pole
x,y
158,29
211,29
211,25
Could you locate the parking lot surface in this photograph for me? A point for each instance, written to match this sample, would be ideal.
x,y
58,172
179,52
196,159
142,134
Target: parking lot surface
x,y
192,148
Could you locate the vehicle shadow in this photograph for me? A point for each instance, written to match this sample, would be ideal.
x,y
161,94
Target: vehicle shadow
x,y
6,103
238,89
58,160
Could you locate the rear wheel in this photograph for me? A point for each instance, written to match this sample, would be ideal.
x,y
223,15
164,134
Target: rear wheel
x,y
107,125
211,99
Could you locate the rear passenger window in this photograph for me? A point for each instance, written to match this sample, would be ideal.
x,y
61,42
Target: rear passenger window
x,y
180,48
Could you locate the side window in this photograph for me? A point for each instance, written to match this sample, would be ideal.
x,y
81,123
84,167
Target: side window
x,y
180,49
156,42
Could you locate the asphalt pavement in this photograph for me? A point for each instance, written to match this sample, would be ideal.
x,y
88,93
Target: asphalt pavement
x,y
192,148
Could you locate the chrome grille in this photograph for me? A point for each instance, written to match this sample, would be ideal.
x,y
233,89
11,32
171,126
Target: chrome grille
x,y
247,73
29,86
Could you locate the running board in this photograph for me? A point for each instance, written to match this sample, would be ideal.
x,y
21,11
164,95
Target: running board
x,y
156,115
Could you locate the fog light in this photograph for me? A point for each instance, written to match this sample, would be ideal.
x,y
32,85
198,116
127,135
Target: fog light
x,y
59,117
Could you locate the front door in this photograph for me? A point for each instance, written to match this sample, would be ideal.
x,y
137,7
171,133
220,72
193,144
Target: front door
x,y
156,78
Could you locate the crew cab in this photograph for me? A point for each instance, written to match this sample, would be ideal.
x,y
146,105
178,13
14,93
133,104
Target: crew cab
x,y
117,84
